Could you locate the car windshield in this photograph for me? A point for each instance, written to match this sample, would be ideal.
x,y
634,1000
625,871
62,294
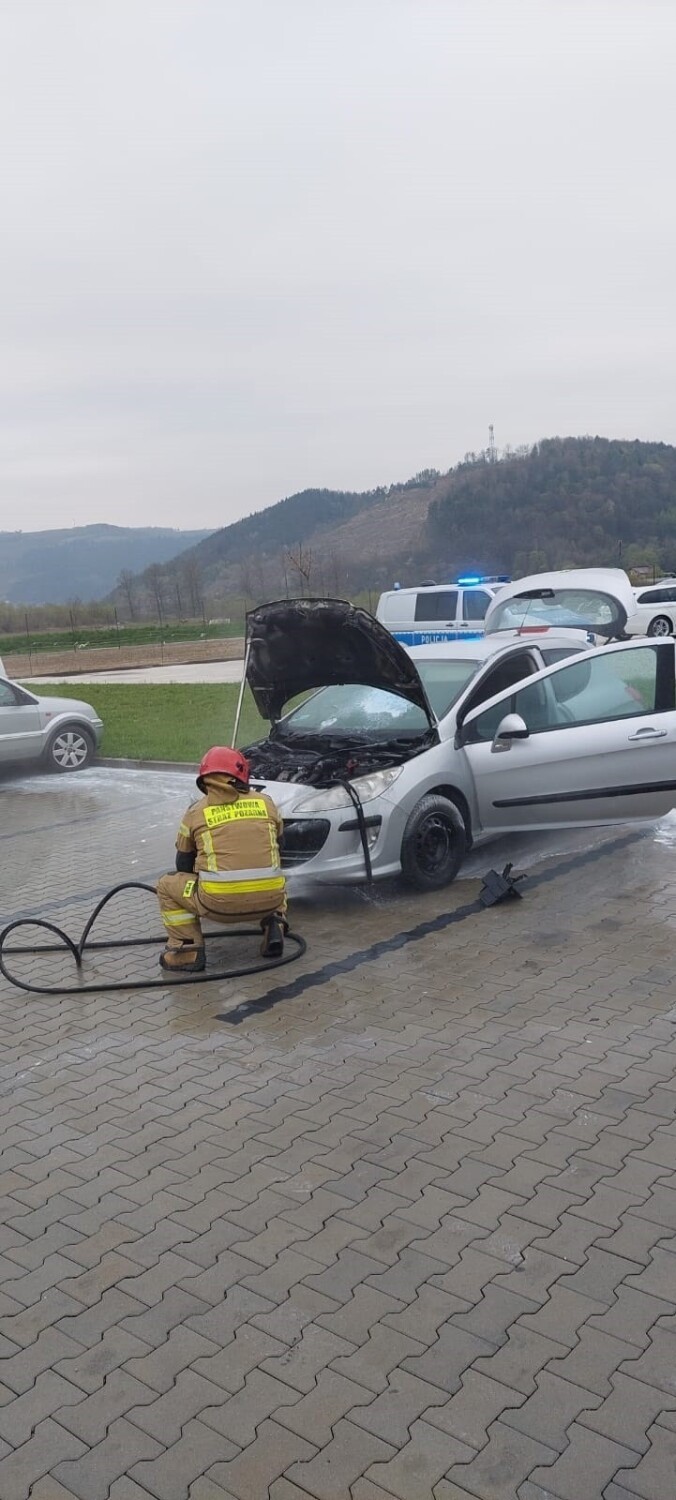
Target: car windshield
x,y
573,608
350,707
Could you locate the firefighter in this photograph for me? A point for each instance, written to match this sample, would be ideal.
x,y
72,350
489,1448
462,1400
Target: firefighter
x,y
227,862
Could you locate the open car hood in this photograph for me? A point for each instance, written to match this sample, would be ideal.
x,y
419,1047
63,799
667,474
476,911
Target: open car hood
x,y
295,645
596,600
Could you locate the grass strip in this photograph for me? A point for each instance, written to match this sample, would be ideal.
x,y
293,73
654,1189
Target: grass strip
x,y
94,637
165,721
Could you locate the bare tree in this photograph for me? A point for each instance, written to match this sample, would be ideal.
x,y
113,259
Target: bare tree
x,y
300,561
176,583
246,580
126,583
156,582
193,582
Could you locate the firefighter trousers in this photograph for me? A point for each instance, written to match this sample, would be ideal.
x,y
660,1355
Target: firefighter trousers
x,y
182,905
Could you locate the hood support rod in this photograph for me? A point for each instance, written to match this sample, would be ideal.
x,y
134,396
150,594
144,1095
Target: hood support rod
x,y
242,686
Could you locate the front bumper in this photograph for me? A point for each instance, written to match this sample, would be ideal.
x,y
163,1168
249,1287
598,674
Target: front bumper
x,y
327,849
304,839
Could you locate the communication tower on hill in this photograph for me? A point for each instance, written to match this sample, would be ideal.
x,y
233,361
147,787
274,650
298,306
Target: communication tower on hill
x,y
492,450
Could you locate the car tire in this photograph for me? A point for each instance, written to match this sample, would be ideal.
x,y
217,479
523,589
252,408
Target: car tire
x,y
70,749
434,844
660,626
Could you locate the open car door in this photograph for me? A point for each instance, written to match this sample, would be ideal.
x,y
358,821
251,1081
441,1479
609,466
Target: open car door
x,y
588,741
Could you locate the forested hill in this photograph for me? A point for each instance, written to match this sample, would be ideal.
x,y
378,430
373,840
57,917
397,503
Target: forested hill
x,y
563,502
81,561
567,501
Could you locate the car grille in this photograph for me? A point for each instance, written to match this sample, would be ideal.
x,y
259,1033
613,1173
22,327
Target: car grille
x,y
303,838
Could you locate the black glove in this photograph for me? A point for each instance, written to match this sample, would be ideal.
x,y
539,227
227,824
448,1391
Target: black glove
x,y
185,863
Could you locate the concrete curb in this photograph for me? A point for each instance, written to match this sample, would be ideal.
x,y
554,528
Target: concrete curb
x,y
112,763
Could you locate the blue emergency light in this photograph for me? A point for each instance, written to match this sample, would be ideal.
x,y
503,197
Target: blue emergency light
x,y
474,578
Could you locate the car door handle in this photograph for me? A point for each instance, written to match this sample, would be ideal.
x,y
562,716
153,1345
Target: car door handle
x,y
648,734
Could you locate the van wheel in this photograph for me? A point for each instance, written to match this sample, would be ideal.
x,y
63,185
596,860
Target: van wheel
x,y
70,749
434,844
661,625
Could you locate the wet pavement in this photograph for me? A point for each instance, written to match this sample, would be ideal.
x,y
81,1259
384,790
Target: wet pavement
x,y
397,1220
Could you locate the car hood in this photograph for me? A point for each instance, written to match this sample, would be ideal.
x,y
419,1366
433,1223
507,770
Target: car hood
x,y
598,600
295,645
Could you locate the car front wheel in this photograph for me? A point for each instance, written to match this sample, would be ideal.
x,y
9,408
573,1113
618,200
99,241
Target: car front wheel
x,y
70,749
661,625
434,844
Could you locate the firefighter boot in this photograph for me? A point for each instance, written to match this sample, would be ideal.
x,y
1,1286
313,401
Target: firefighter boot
x,y
274,928
188,959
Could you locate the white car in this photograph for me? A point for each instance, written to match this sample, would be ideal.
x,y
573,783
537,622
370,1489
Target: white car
x,y
62,734
654,610
402,759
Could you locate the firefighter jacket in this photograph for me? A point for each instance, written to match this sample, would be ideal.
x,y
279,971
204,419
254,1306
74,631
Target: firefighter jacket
x,y
233,836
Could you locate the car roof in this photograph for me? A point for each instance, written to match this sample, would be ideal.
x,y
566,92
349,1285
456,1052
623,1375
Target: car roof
x,y
456,650
546,637
490,586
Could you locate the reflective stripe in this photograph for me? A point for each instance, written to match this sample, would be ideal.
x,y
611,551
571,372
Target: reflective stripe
x,y
176,917
208,846
262,872
189,887
183,831
242,887
246,807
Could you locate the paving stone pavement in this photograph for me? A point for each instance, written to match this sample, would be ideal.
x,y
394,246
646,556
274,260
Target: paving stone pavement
x,y
407,1233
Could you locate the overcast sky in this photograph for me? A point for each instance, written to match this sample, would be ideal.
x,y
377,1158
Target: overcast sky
x,y
251,246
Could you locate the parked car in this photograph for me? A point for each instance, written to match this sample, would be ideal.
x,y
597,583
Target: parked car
x,y
654,612
60,733
438,612
395,759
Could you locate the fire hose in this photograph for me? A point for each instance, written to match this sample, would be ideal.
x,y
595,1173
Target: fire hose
x,y
77,950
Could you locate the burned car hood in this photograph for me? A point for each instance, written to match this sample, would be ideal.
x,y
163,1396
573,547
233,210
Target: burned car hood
x,y
295,645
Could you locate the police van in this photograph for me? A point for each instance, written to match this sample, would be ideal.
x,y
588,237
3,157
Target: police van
x,y
438,611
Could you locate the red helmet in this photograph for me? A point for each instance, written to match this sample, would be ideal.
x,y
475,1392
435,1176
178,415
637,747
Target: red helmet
x,y
220,760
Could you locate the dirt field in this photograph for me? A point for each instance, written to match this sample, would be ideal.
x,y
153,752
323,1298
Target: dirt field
x,y
110,659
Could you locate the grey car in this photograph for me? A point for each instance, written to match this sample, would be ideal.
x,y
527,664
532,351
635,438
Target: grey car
x,y
401,760
62,734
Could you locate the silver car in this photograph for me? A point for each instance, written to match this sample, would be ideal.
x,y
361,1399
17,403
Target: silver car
x,y
402,759
60,733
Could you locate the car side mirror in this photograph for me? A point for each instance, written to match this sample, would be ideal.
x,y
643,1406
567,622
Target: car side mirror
x,y
512,727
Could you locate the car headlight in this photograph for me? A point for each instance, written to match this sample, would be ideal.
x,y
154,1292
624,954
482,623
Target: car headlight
x,y
366,787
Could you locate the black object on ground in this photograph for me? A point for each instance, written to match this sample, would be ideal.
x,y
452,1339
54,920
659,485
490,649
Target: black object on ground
x,y
499,887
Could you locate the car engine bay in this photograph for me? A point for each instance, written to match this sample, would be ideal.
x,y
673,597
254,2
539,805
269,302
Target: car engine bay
x,y
323,761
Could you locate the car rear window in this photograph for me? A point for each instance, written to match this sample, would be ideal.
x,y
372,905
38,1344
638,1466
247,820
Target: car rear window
x,y
570,608
558,653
